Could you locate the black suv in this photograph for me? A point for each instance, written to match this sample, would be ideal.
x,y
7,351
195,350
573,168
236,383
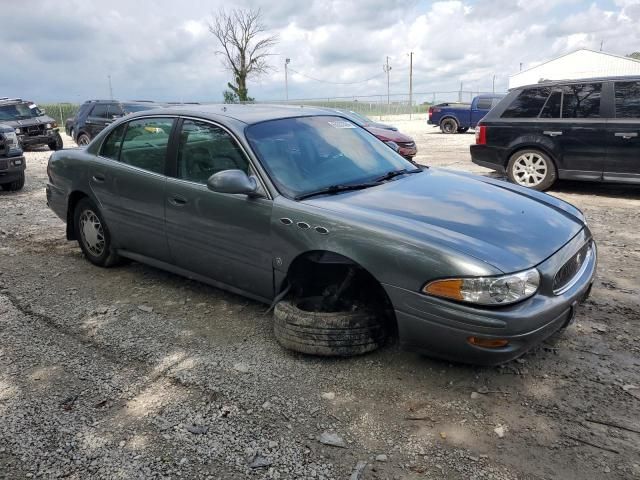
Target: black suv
x,y
12,164
31,124
94,115
578,130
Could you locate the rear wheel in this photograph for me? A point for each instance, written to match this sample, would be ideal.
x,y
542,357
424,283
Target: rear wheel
x,y
449,125
93,235
532,169
15,185
83,140
297,327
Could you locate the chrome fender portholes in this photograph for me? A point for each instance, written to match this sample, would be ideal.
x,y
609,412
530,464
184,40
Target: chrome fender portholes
x,y
305,226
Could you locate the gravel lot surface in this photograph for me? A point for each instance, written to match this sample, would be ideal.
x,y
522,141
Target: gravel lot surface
x,y
132,372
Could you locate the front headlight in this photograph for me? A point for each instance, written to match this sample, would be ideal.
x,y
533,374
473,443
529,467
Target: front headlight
x,y
12,138
18,131
48,126
487,290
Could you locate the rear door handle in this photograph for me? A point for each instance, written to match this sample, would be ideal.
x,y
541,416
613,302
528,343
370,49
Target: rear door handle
x,y
552,133
177,201
98,178
626,135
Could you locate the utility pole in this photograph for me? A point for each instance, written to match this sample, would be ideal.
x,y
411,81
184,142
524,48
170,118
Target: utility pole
x,y
601,44
494,84
386,69
110,88
410,84
460,92
286,78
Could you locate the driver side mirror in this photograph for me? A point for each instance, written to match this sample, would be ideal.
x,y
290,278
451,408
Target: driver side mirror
x,y
233,181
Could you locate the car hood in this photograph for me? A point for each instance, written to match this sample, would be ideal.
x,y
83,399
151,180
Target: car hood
x,y
509,229
389,135
27,122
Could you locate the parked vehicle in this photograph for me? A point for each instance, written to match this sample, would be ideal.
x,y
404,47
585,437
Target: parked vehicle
x,y
32,126
458,118
94,115
12,163
309,212
403,144
578,130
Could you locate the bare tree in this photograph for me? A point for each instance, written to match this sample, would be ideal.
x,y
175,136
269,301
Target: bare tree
x,y
245,46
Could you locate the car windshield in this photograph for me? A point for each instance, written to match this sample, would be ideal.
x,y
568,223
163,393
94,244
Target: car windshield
x,y
361,118
308,154
19,111
131,108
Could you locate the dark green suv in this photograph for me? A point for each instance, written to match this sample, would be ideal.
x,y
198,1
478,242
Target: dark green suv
x,y
33,127
12,163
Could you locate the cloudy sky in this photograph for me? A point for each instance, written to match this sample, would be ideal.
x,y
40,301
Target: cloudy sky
x,y
160,49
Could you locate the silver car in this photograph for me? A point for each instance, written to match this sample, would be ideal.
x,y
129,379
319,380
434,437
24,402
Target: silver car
x,y
351,243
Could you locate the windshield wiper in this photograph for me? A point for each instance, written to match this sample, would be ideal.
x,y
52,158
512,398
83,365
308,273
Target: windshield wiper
x,y
337,189
396,173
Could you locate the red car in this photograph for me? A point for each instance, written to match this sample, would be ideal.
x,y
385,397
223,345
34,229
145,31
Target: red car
x,y
388,134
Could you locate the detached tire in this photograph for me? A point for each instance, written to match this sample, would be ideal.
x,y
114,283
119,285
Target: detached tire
x,y
330,334
449,125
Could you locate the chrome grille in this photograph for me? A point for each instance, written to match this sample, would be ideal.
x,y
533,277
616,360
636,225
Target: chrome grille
x,y
570,270
34,130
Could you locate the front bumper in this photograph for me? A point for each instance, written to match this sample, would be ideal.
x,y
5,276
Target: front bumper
x,y
49,136
9,171
441,328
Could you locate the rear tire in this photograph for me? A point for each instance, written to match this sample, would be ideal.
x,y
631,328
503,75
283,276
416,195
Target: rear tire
x,y
449,125
83,140
532,168
15,185
93,235
463,129
331,334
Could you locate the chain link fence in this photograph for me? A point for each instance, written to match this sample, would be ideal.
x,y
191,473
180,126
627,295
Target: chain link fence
x,y
60,111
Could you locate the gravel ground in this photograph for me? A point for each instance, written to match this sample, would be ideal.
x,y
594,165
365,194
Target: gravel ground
x,y
136,373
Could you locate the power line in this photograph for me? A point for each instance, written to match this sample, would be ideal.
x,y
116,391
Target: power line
x,y
336,83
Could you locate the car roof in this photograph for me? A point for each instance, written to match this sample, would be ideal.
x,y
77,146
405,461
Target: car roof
x,y
549,83
245,113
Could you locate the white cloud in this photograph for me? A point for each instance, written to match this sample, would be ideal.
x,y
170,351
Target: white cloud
x,y
163,50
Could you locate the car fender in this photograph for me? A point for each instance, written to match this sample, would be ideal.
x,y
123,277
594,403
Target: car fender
x,y
534,141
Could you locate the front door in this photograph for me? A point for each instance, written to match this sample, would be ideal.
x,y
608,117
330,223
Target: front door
x,y
225,237
623,135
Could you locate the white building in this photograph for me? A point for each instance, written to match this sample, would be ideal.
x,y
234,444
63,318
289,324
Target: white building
x,y
582,63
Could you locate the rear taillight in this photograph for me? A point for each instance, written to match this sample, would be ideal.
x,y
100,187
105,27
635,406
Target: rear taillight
x,y
481,135
430,112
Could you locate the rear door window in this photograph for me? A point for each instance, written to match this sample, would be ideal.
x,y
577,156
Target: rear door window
x,y
627,99
552,107
145,144
100,110
528,103
581,100
111,146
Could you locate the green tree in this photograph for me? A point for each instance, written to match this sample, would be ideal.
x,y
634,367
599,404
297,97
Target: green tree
x,y
230,96
245,47
635,55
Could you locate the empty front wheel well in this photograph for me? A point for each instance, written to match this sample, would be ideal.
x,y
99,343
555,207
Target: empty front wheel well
x,y
74,198
343,284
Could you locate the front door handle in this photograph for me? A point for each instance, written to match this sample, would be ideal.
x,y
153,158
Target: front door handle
x,y
626,135
177,201
98,178
552,133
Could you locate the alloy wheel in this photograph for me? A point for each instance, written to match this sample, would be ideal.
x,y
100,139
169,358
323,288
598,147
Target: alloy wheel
x,y
530,169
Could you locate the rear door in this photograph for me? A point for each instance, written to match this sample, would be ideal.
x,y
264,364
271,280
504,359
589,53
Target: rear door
x,y
139,180
581,132
97,119
623,134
